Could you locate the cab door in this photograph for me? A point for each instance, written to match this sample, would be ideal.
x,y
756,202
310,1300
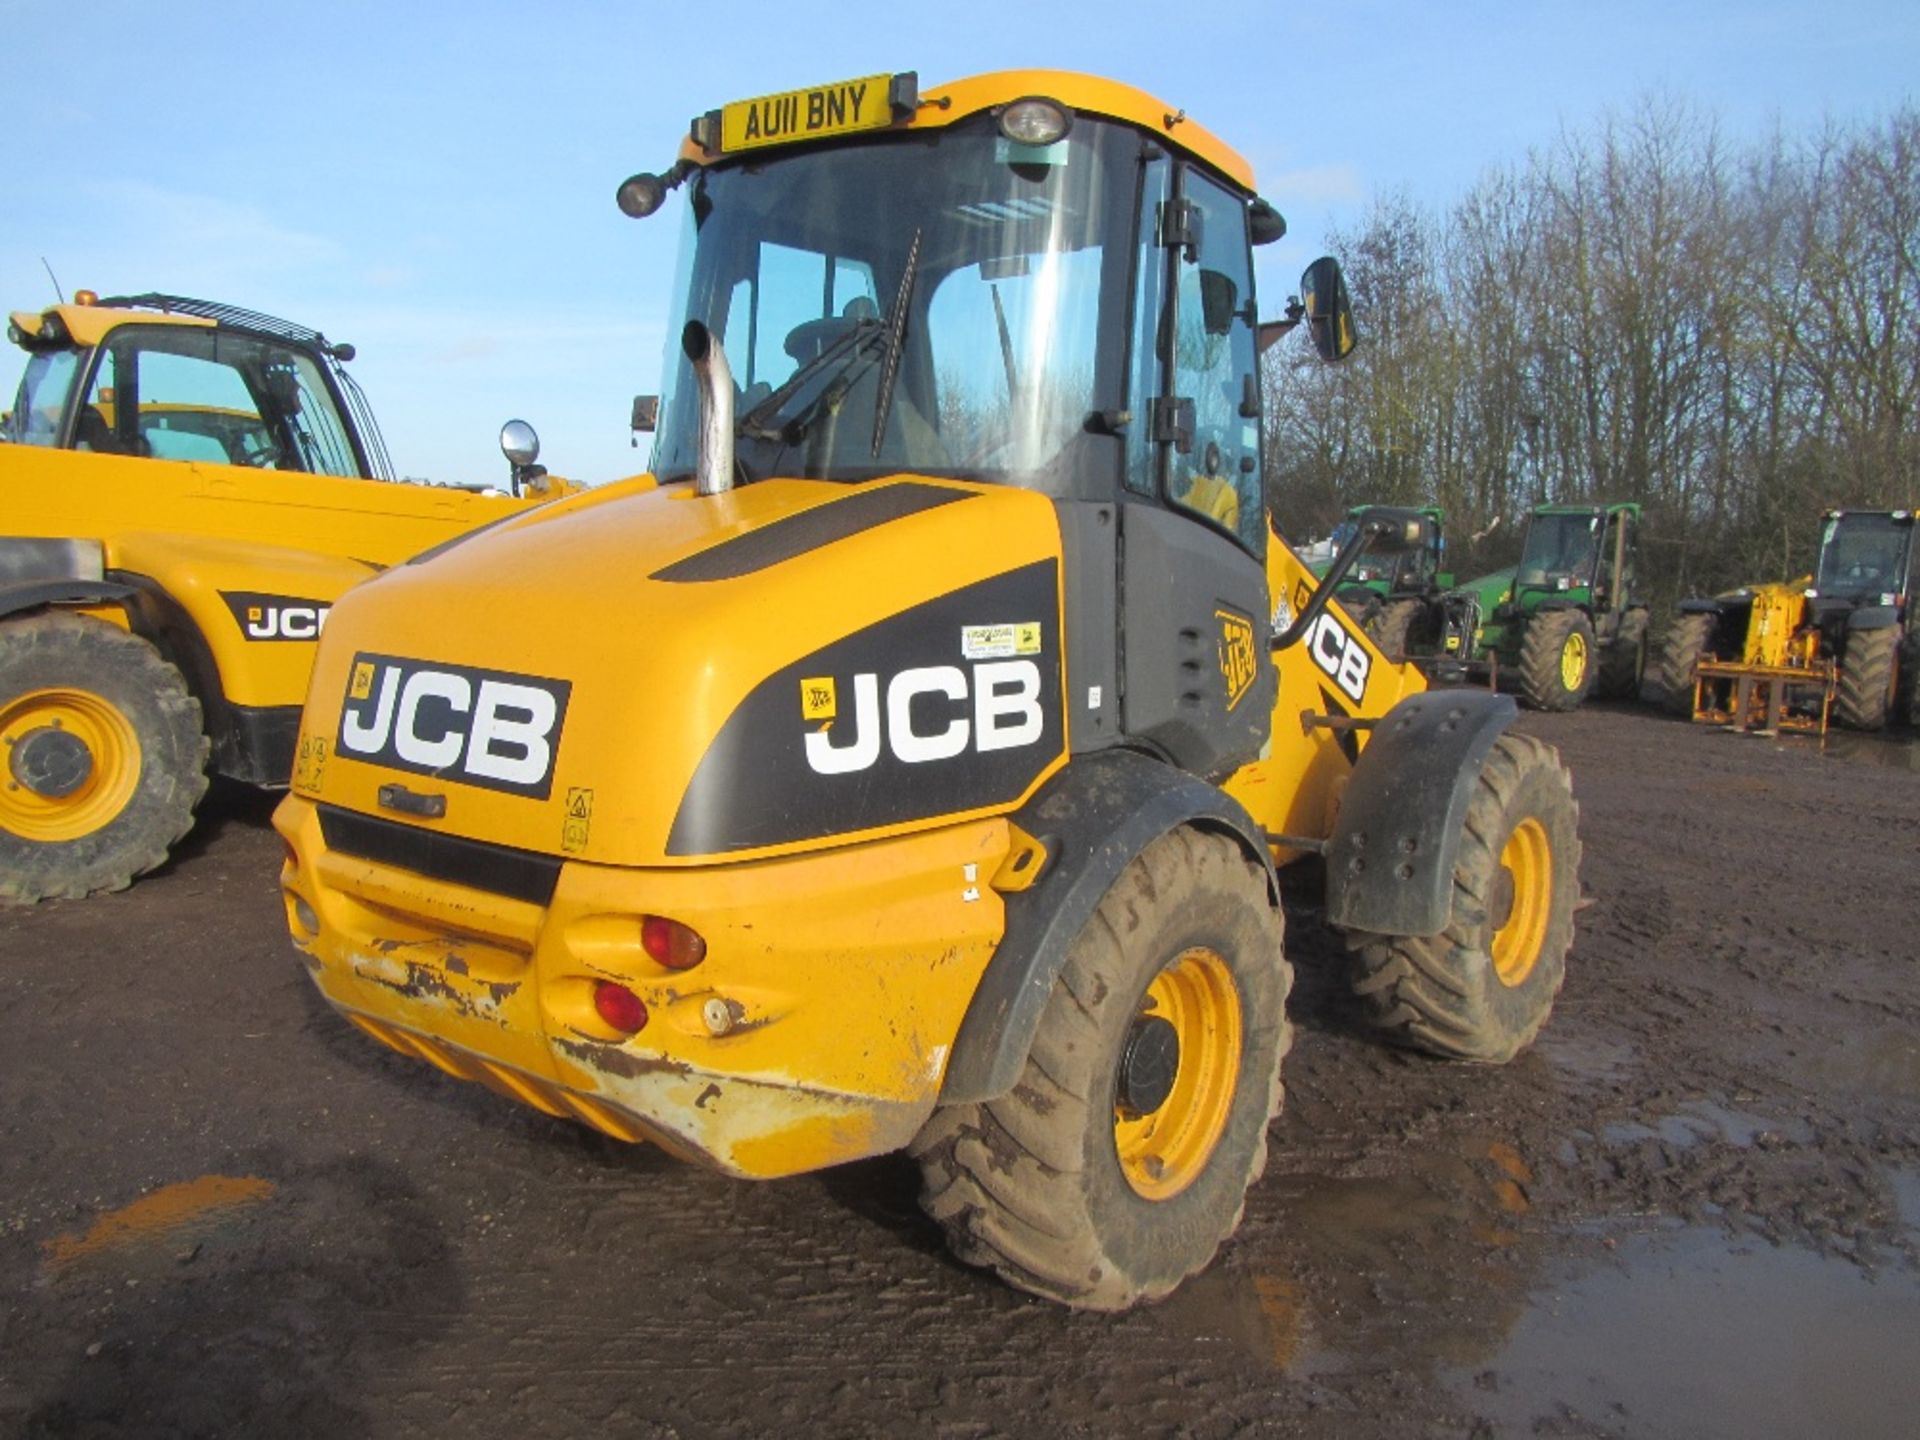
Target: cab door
x,y
1197,676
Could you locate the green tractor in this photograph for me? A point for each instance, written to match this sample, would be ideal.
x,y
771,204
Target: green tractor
x,y
1406,602
1565,621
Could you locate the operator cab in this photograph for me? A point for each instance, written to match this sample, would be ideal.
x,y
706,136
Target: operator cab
x,y
1866,559
1055,293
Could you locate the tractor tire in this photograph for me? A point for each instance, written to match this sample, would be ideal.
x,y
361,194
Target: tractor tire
x,y
1390,626
1481,989
1122,1157
1557,667
1864,698
104,757
1623,664
1908,696
1688,639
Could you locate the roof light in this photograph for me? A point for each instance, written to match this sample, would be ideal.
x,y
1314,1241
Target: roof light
x,y
86,297
1035,121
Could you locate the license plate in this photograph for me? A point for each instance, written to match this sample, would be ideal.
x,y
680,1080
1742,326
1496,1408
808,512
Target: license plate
x,y
837,109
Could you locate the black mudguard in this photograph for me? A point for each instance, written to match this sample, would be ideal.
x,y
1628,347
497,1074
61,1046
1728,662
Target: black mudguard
x,y
1390,858
1873,617
19,596
1094,818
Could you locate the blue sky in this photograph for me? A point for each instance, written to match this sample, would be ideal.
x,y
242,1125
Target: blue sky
x,y
435,182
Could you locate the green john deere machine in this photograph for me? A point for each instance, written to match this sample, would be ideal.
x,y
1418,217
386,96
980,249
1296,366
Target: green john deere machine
x,y
1407,603
1565,621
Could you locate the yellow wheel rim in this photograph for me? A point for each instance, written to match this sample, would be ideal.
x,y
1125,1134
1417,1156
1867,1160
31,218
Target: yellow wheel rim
x,y
1573,661
1523,895
1163,1152
112,746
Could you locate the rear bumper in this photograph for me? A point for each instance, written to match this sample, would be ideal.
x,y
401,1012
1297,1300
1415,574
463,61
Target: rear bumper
x,y
816,1031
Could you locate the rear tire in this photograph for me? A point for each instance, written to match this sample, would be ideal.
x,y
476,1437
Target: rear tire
x,y
1688,641
1557,660
1391,625
1482,988
1909,682
1076,1186
102,759
1865,693
1623,664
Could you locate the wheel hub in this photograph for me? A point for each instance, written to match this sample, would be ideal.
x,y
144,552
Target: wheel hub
x,y
51,762
1148,1065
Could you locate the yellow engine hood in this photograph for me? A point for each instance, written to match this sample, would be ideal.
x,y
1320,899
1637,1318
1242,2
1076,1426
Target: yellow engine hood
x,y
652,677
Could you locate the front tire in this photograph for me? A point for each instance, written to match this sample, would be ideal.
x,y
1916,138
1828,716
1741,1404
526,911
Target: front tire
x,y
1482,988
1556,660
1623,664
1865,694
1121,1159
102,759
1390,628
1689,641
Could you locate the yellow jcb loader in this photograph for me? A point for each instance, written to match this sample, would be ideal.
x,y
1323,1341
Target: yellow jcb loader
x,y
190,487
938,713
1842,643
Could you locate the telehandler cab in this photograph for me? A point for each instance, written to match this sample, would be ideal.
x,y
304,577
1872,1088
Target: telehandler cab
x,y
190,486
946,707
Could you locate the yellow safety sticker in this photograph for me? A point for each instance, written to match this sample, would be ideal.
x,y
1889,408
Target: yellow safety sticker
x,y
1000,642
818,700
575,829
310,764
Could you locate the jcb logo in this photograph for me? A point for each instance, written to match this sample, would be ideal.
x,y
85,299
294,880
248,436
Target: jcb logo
x,y
1343,657
484,727
1239,663
276,617
992,706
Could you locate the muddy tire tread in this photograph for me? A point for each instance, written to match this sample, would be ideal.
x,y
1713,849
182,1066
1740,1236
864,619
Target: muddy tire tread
x,y
1864,697
1623,664
1686,643
1539,669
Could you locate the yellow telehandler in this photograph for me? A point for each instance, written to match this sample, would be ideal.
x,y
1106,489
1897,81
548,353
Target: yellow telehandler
x,y
938,713
190,486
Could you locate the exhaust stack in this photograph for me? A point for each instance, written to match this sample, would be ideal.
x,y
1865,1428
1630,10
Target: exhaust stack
x,y
710,368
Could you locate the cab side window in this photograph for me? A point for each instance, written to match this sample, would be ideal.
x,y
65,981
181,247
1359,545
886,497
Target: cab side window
x,y
1216,473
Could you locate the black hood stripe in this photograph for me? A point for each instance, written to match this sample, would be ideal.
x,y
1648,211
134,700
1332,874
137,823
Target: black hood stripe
x,y
809,530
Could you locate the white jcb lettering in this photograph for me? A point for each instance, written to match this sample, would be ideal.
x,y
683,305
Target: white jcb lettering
x,y
1006,704
301,624
1343,658
946,680
409,744
366,739
1006,714
826,758
490,751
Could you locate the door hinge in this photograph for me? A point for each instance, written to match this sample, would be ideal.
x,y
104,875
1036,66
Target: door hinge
x,y
1173,421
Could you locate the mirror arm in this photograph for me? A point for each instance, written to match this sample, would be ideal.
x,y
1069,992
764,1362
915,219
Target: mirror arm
x,y
1267,335
1363,537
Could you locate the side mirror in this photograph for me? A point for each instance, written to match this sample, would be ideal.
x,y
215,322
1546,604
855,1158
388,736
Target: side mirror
x,y
646,414
1264,223
519,443
1328,311
1392,530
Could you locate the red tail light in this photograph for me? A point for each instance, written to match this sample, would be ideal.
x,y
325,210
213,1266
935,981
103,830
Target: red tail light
x,y
670,943
619,1007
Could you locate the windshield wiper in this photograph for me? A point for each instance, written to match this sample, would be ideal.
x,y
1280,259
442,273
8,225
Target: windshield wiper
x,y
840,356
896,327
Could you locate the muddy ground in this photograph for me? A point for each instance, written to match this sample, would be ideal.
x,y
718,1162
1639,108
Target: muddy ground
x,y
1693,1210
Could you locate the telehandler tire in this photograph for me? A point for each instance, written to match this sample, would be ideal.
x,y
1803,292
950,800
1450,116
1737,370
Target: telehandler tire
x,y
1482,988
1623,664
1390,626
1908,697
1557,660
1865,693
1121,1159
104,758
1686,645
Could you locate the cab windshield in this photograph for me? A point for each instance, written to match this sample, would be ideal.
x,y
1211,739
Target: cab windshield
x,y
1864,554
940,302
1560,552
42,400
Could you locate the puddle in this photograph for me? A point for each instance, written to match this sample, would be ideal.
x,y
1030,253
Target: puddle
x,y
1696,1333
171,1216
1702,1120
1585,1058
1877,750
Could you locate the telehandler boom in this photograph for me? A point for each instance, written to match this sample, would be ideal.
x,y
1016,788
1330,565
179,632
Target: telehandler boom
x,y
937,713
